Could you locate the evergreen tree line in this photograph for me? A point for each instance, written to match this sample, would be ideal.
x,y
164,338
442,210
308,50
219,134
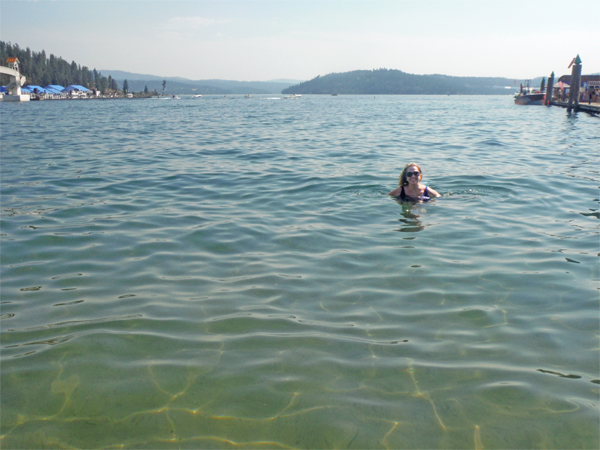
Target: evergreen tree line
x,y
41,70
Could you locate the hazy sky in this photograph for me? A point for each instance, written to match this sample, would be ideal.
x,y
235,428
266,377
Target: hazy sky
x,y
258,40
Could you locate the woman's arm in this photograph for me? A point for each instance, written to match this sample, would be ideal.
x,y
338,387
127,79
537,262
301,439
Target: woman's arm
x,y
433,192
396,192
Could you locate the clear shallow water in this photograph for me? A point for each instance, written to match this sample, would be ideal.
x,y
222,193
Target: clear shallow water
x,y
230,273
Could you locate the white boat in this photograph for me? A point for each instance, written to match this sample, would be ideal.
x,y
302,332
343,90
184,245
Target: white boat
x,y
292,96
176,97
197,96
529,96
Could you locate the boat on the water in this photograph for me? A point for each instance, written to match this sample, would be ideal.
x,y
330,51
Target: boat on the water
x,y
529,96
197,96
292,96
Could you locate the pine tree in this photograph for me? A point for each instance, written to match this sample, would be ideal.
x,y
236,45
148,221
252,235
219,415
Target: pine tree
x,y
103,84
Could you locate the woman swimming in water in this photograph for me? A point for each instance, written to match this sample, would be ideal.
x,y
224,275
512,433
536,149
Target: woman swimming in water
x,y
410,187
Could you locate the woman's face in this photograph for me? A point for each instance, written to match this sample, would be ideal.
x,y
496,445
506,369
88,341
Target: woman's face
x,y
414,179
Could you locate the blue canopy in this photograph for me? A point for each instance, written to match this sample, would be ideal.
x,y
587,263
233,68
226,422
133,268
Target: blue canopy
x,y
52,90
33,87
56,87
76,87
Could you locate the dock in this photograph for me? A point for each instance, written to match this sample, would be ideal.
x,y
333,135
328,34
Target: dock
x,y
592,108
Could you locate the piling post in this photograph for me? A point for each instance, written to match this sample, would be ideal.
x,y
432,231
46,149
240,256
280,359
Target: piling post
x,y
575,84
549,88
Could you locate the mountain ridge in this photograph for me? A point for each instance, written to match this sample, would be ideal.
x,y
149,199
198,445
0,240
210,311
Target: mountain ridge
x,y
180,85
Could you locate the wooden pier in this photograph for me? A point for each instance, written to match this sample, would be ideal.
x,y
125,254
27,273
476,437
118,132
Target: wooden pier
x,y
574,86
593,108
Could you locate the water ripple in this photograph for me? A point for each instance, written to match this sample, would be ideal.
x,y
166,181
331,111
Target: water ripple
x,y
230,272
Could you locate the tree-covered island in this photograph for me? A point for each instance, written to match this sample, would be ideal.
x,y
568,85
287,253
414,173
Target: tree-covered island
x,y
389,82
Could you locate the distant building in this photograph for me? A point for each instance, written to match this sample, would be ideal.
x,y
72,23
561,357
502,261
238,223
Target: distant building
x,y
591,80
77,91
55,91
35,89
13,63
75,88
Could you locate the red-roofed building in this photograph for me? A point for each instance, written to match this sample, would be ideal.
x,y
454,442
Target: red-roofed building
x,y
13,63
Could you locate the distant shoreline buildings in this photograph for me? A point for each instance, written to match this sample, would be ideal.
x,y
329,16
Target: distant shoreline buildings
x,y
17,90
55,91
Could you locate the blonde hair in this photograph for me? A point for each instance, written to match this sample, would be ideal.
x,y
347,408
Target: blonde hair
x,y
402,181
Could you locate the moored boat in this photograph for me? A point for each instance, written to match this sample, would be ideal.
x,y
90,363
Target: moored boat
x,y
534,98
528,96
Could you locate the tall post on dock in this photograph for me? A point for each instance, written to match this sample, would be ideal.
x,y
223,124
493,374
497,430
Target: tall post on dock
x,y
575,83
549,89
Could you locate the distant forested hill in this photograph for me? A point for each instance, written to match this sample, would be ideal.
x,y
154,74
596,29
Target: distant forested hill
x,y
204,87
171,87
386,81
177,85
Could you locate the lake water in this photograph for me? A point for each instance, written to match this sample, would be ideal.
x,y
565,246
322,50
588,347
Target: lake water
x,y
230,273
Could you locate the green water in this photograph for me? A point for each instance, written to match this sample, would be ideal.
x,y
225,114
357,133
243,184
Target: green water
x,y
231,274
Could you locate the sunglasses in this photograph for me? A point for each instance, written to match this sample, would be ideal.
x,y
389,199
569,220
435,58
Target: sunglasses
x,y
412,174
